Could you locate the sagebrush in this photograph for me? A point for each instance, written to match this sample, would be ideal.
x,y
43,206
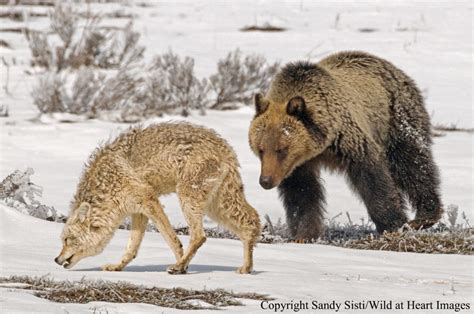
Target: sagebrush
x,y
239,77
98,72
172,86
130,93
17,191
82,42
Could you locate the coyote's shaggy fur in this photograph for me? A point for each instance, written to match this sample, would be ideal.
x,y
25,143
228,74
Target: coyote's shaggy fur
x,y
125,178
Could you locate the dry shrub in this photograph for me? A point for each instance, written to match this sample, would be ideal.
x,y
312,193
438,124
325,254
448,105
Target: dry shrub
x,y
172,86
424,241
86,291
446,237
50,95
135,91
91,93
41,53
18,192
120,93
113,49
86,45
84,89
129,94
238,77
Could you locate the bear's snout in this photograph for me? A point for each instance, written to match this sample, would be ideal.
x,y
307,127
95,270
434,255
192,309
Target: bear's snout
x,y
266,182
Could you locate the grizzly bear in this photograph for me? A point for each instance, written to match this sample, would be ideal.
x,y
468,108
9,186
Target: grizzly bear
x,y
354,113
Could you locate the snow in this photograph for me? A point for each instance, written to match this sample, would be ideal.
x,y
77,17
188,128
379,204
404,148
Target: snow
x,y
58,164
283,271
431,41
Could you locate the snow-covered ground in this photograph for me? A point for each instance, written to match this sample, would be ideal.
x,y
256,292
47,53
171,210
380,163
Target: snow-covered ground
x,y
430,40
284,271
57,153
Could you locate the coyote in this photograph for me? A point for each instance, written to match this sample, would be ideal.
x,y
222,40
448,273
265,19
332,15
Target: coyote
x,y
126,177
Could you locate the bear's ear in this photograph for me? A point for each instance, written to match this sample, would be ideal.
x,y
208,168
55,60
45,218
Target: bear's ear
x,y
296,106
261,104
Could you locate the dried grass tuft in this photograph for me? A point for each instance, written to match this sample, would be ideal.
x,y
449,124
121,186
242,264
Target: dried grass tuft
x,y
425,241
86,291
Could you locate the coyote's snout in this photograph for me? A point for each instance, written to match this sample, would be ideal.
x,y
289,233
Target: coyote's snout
x,y
125,178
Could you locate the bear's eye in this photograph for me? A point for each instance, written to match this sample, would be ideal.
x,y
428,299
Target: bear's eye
x,y
281,152
260,152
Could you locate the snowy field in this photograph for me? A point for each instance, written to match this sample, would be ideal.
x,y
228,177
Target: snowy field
x,y
283,271
430,41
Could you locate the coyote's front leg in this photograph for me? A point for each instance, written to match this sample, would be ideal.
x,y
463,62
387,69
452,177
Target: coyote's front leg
x,y
137,231
155,212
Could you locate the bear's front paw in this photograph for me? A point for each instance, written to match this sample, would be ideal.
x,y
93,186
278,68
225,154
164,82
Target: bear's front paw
x,y
176,269
244,270
418,224
112,267
302,240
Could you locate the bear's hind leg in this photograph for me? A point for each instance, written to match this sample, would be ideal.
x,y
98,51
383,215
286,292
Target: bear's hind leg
x,y
414,171
372,181
303,198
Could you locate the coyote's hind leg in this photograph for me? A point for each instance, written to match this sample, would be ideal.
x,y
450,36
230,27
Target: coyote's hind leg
x,y
196,193
247,267
194,217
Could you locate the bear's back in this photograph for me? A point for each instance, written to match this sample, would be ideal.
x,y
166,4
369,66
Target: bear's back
x,y
362,65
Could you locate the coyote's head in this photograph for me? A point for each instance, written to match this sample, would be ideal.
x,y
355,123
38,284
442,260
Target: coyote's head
x,y
83,235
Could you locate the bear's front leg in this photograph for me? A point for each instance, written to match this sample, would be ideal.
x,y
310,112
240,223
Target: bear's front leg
x,y
303,198
371,179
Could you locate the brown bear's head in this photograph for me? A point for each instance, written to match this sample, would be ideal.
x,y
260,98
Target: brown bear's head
x,y
283,135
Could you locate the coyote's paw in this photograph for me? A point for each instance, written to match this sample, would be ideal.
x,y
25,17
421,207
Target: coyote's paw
x,y
112,267
244,270
176,269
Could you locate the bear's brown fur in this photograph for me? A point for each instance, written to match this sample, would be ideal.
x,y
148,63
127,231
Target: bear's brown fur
x,y
355,113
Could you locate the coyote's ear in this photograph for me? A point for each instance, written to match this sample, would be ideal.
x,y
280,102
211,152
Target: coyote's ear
x,y
83,212
296,106
261,104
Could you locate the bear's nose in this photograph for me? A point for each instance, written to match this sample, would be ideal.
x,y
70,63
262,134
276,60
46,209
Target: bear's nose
x,y
266,182
57,260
